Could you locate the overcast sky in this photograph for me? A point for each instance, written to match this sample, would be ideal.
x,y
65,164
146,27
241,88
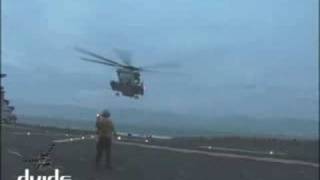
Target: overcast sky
x,y
249,57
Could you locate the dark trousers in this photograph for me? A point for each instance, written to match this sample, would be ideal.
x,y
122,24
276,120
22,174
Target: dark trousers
x,y
104,145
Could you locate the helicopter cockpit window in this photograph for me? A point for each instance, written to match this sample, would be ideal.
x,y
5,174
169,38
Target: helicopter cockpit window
x,y
125,77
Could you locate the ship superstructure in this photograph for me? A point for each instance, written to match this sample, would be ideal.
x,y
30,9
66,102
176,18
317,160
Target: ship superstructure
x,y
7,110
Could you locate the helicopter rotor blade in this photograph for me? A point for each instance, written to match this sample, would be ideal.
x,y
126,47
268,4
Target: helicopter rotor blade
x,y
98,56
162,65
99,62
124,55
146,70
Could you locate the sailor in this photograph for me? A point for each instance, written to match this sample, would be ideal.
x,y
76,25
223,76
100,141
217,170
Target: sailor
x,y
105,131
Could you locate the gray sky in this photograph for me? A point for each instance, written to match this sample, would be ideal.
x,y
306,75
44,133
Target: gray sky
x,y
251,57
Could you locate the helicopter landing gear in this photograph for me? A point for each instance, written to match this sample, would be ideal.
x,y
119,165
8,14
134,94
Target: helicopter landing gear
x,y
117,94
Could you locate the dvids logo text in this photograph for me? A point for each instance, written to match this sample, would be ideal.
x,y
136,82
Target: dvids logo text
x,y
56,176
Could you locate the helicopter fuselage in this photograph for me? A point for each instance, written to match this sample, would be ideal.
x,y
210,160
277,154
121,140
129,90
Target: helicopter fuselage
x,y
129,83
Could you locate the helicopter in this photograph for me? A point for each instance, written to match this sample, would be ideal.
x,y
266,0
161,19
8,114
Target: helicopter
x,y
129,76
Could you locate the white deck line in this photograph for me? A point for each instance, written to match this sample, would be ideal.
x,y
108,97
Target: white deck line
x,y
228,155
